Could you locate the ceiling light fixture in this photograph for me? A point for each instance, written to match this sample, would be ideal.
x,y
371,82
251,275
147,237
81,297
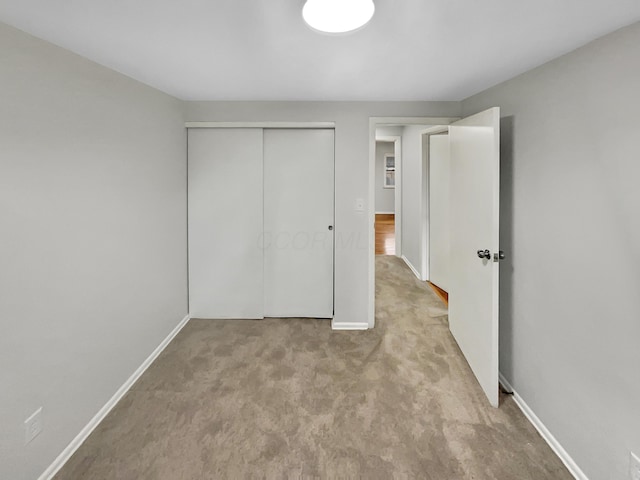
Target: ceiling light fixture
x,y
337,16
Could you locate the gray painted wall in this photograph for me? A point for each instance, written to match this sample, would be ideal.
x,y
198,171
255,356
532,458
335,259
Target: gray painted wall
x,y
93,244
385,201
352,174
570,308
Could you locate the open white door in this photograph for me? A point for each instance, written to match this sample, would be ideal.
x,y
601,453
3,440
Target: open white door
x,y
474,219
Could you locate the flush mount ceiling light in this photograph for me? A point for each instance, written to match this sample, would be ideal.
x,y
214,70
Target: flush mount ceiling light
x,y
337,16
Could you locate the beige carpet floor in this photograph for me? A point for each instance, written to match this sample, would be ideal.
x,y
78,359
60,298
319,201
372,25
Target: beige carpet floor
x,y
289,398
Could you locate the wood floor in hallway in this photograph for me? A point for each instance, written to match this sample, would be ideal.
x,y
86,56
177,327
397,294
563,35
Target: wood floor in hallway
x,y
385,234
290,398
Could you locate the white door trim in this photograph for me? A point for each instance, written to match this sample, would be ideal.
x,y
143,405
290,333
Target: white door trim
x,y
424,207
315,125
375,122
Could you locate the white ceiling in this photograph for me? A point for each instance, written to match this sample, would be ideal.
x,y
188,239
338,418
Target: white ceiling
x,y
262,50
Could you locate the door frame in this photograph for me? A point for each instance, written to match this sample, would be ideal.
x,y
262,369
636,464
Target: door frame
x,y
287,125
374,123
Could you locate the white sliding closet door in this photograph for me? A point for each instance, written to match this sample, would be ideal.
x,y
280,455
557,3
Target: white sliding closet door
x,y
298,223
225,223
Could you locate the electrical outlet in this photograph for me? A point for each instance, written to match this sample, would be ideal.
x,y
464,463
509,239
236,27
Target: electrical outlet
x,y
33,426
634,467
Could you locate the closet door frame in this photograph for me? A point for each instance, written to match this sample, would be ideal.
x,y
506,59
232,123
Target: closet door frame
x,y
268,125
289,125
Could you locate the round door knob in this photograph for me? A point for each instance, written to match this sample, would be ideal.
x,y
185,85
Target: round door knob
x,y
330,227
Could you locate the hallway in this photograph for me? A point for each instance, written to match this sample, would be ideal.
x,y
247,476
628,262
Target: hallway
x,y
290,398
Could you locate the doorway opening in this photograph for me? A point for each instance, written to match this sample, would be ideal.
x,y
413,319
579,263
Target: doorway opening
x,y
387,174
471,219
399,192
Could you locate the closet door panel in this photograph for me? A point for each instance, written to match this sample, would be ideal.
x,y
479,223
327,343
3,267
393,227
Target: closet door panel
x,y
298,223
225,194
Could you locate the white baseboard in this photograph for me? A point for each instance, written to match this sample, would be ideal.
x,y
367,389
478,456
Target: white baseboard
x,y
386,213
571,465
413,269
104,411
349,325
